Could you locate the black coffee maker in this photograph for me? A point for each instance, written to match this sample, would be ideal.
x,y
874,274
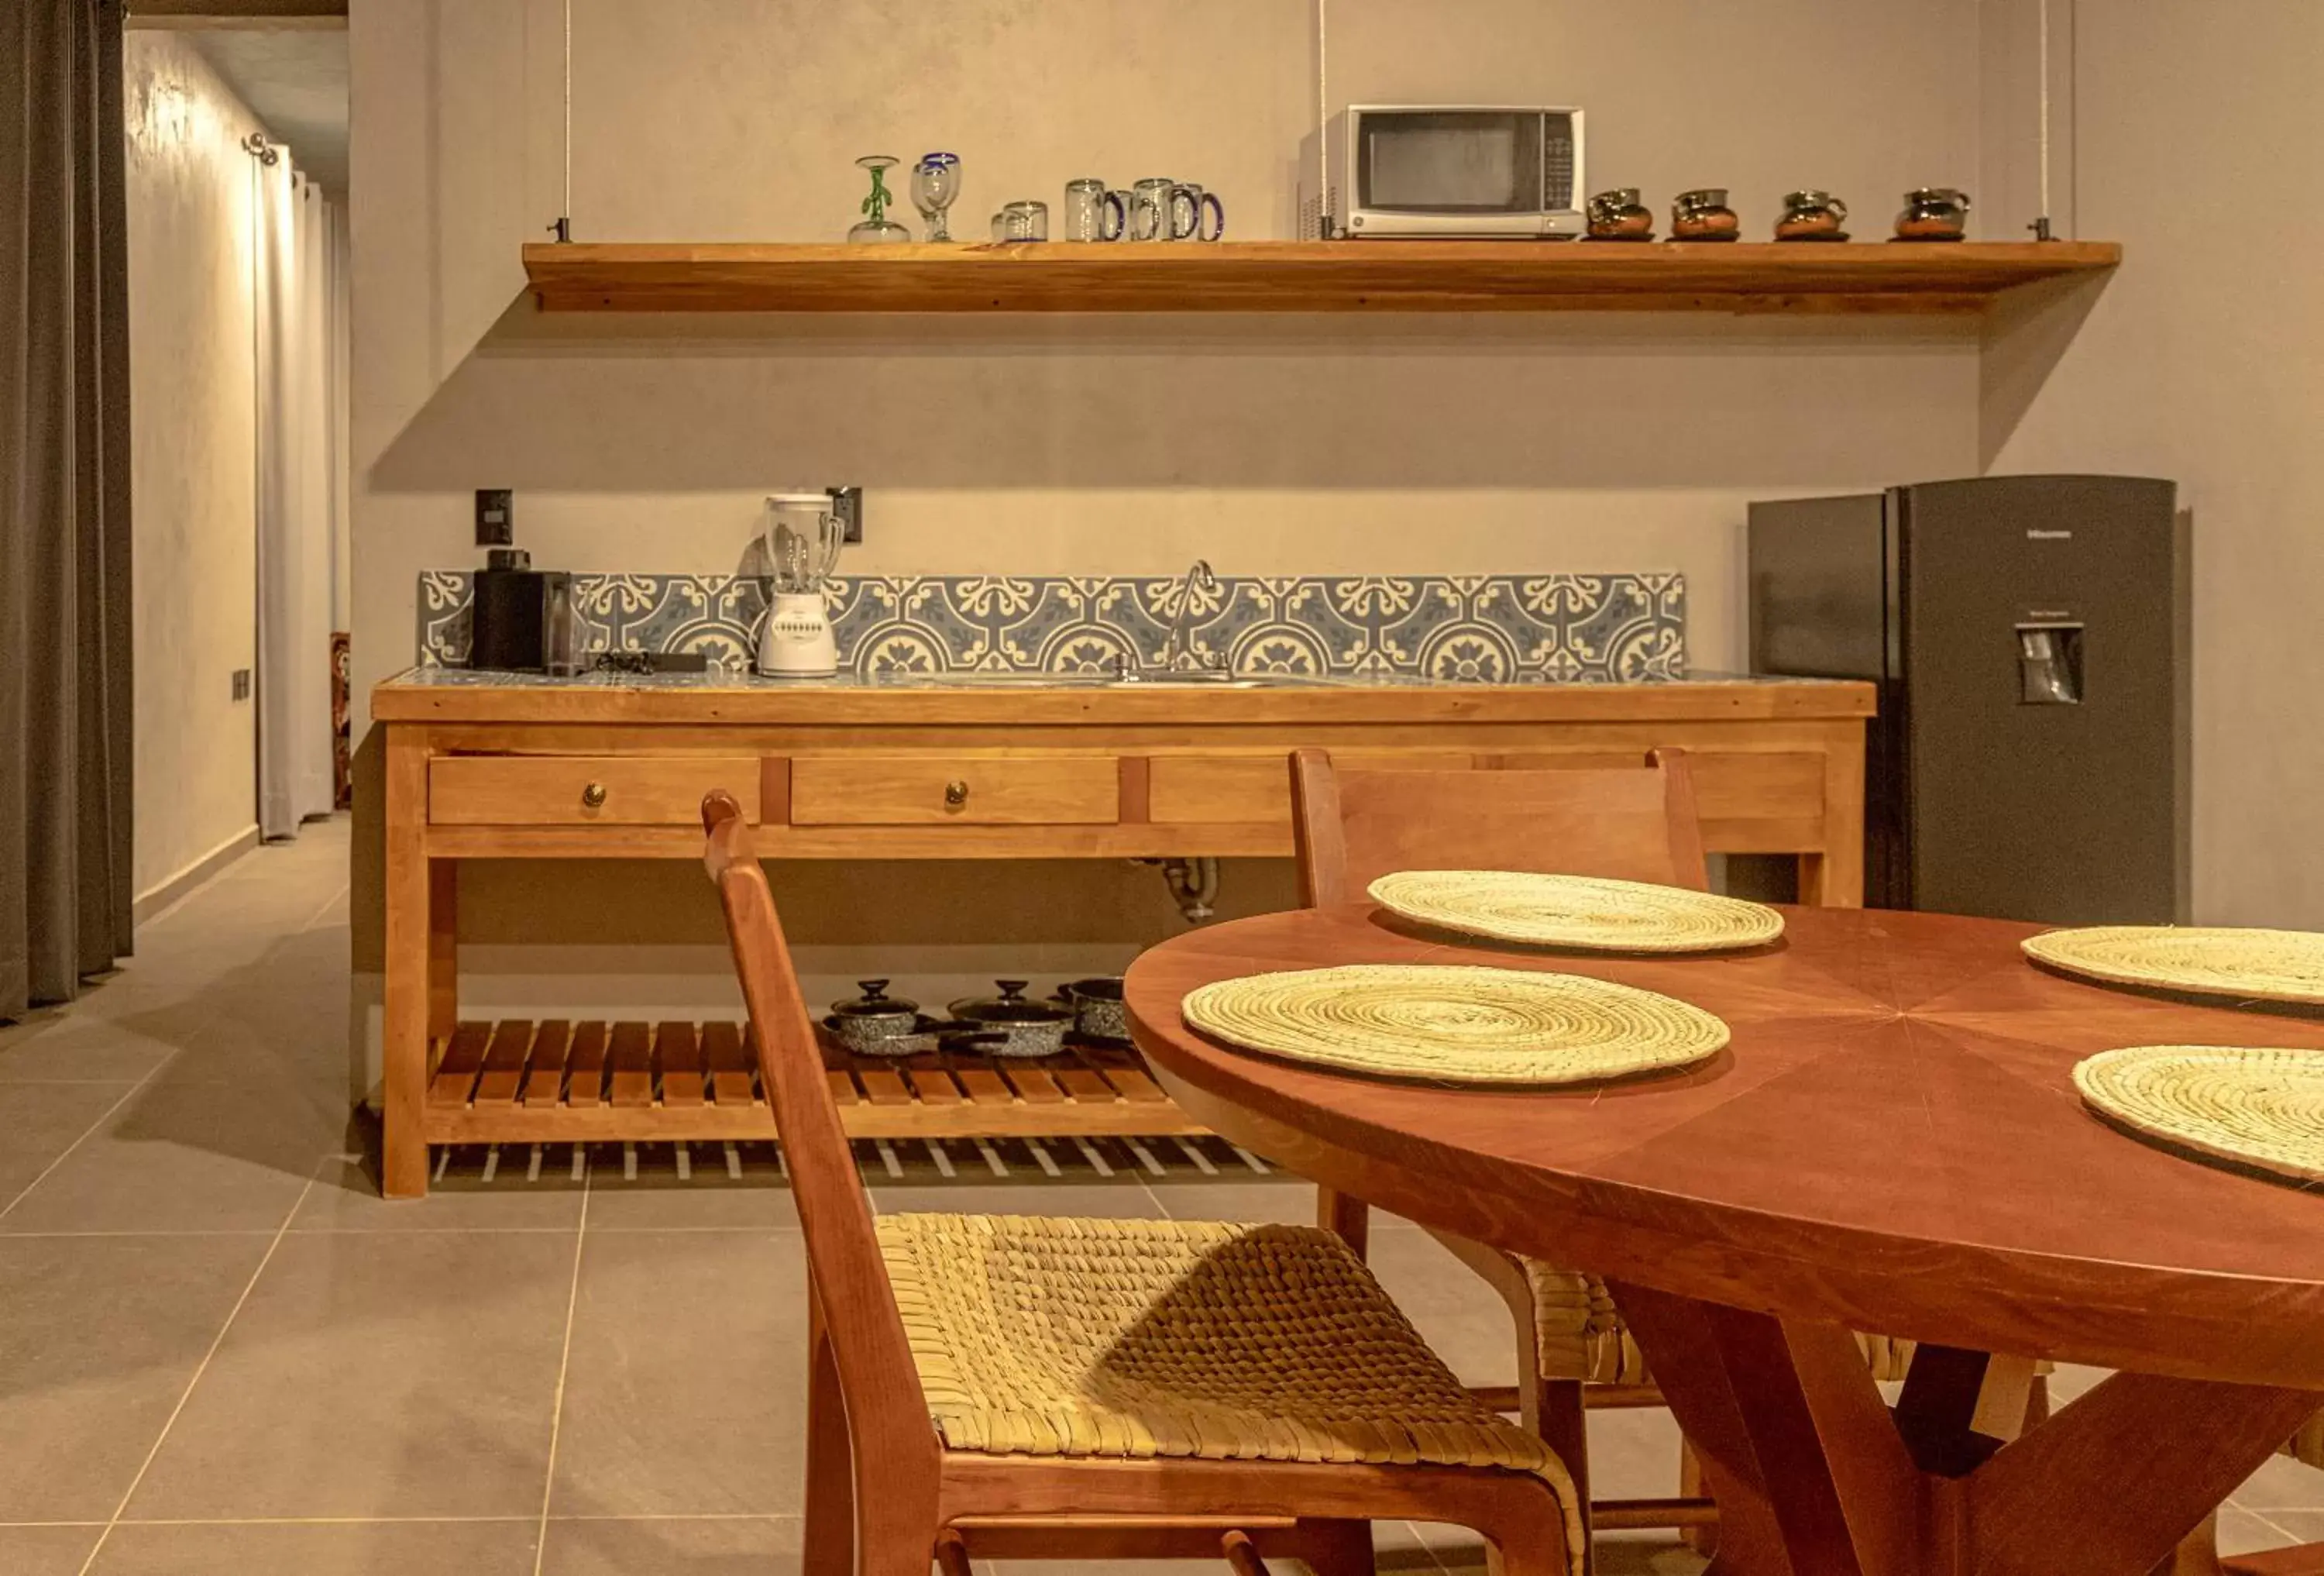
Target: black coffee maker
x,y
521,618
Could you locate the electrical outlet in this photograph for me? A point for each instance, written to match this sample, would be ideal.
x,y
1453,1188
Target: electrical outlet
x,y
495,517
241,684
848,504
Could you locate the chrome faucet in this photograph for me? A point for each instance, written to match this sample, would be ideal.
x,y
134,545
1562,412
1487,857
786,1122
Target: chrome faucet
x,y
1176,656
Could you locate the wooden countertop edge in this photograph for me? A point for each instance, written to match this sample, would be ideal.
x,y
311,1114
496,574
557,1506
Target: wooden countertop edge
x,y
392,701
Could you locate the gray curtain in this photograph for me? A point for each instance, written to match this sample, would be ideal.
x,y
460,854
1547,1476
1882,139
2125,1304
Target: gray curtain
x,y
65,740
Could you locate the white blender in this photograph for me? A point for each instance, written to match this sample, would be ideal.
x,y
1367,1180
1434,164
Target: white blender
x,y
803,534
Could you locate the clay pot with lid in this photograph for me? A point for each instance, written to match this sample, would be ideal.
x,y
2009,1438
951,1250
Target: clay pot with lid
x,y
1702,215
1618,216
1933,213
1812,215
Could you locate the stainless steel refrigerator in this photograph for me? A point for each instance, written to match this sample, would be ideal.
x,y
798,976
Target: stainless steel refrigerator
x,y
2029,637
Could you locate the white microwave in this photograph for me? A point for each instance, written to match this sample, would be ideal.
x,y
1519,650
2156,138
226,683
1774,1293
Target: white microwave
x,y
1449,171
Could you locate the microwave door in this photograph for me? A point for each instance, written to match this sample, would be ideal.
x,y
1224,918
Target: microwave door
x,y
1457,164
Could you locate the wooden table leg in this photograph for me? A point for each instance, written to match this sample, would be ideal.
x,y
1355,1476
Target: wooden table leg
x,y
404,1038
443,948
1815,1477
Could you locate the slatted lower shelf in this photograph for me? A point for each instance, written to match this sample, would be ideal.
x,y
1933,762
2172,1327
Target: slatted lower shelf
x,y
516,1081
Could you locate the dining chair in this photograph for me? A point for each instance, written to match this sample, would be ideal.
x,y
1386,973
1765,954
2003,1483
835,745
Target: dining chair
x,y
1015,1388
1621,822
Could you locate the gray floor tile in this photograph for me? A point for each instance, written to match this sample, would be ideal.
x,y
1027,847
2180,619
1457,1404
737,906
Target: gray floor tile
x,y
1462,1553
98,1338
378,1548
2281,1484
725,1546
1633,1453
45,1551
1648,1553
83,1050
409,1374
42,1120
2071,1380
686,1393
190,1157
1281,1198
708,1197
345,1197
2246,1532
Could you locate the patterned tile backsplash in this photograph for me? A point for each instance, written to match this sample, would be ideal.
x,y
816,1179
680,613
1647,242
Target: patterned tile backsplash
x,y
1478,629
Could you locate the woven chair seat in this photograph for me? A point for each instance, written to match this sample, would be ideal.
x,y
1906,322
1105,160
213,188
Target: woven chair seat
x,y
1142,1338
1579,1334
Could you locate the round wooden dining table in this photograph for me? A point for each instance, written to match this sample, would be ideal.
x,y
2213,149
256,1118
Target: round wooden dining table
x,y
1891,1142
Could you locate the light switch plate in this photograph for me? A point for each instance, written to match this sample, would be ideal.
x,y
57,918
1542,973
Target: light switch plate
x,y
241,684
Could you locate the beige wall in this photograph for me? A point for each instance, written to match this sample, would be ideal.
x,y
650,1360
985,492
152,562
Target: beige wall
x,y
1091,444
2204,361
192,456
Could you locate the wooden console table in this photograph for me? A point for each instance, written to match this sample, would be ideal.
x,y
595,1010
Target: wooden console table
x,y
600,768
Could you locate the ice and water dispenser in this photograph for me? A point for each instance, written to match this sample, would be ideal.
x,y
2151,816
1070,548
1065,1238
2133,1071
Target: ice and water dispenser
x,y
2049,660
2029,638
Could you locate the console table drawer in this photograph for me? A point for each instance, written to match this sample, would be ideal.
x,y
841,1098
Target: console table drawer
x,y
933,790
1197,790
580,790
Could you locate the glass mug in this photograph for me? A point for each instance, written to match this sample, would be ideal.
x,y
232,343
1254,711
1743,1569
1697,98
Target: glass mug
x,y
1021,221
1093,213
1190,204
1150,215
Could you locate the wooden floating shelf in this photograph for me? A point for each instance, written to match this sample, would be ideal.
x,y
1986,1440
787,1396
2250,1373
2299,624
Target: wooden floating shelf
x,y
1304,276
517,1082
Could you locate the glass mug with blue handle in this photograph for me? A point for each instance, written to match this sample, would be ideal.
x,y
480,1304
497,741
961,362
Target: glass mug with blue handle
x,y
1196,215
1093,213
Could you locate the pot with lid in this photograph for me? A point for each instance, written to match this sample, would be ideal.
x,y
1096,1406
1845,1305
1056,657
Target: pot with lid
x,y
1098,1010
876,1023
1029,1028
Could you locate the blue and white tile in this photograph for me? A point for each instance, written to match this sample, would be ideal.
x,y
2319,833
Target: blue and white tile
x,y
1476,629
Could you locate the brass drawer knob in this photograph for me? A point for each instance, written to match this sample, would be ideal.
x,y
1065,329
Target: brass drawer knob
x,y
592,797
955,794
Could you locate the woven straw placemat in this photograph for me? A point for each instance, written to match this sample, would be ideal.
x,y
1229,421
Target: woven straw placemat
x,y
2257,1106
1576,911
2256,965
1456,1025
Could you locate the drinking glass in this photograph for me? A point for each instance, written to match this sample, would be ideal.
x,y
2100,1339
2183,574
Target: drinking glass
x,y
878,228
1021,221
935,183
1091,212
1190,204
1150,217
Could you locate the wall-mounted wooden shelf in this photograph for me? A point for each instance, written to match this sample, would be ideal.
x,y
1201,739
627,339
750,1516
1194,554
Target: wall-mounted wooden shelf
x,y
1297,276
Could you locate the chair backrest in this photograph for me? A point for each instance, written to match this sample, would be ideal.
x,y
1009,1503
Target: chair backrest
x,y
887,1414
1634,823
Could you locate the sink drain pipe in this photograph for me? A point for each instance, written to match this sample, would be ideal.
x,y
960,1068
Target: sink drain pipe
x,y
1194,885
